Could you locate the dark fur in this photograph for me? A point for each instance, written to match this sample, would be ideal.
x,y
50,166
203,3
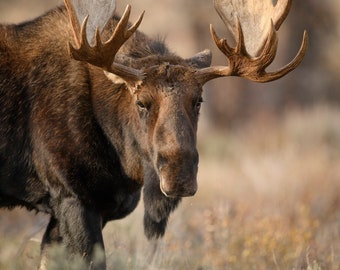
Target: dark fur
x,y
73,143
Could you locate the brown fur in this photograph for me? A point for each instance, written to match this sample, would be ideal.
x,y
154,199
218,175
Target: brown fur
x,y
79,146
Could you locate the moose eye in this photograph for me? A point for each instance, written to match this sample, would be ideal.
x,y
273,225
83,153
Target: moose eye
x,y
141,106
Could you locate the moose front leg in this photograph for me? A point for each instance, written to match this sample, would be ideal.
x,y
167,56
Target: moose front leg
x,y
81,230
77,228
51,237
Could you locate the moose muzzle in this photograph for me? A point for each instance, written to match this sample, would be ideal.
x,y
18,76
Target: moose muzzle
x,y
178,175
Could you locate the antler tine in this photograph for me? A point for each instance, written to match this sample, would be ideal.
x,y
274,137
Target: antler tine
x,y
123,23
270,48
241,62
281,12
240,47
74,21
292,65
85,52
222,44
102,54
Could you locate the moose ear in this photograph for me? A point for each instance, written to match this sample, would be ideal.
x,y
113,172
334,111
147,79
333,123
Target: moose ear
x,y
115,78
200,60
133,86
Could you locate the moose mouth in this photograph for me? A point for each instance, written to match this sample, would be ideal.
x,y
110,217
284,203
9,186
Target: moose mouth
x,y
178,188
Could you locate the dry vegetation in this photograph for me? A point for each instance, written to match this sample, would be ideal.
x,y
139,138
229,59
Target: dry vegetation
x,y
268,199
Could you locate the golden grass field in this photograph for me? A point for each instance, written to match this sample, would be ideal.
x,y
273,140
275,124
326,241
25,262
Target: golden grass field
x,y
268,199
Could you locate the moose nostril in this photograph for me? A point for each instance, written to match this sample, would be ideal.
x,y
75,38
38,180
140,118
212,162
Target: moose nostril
x,y
161,161
178,161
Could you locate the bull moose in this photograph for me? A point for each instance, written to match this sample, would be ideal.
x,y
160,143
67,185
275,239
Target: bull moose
x,y
92,112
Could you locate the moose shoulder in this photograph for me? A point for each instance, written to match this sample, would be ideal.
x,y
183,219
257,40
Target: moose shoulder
x,y
93,110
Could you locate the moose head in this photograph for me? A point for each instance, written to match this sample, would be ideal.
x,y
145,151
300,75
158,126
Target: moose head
x,y
167,91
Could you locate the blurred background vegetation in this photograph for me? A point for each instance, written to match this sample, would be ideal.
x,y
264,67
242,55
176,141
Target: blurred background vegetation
x,y
270,153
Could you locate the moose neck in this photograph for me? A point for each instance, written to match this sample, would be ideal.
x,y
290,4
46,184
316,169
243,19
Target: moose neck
x,y
111,105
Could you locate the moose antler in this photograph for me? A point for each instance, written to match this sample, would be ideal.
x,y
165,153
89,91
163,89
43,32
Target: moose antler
x,y
102,54
254,25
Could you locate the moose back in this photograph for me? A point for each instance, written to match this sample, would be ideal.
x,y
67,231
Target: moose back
x,y
92,111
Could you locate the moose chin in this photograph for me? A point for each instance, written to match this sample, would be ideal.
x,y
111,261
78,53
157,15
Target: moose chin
x,y
93,112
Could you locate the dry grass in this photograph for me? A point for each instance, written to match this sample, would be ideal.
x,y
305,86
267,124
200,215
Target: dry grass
x,y
268,199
